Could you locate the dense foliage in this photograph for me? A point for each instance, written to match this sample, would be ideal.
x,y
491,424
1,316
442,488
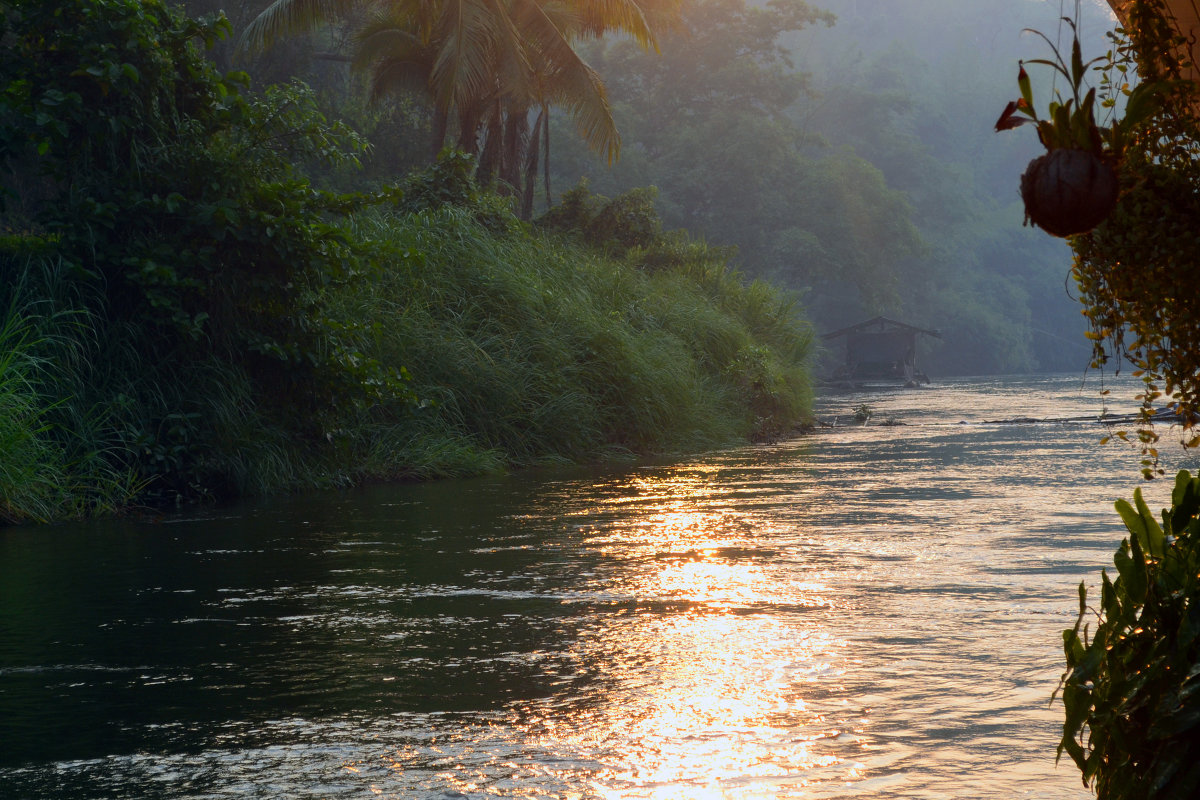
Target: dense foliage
x,y
727,85
854,163
186,313
1132,688
172,206
531,349
491,71
1139,270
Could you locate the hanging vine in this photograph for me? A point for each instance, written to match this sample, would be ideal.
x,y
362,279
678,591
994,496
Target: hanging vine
x,y
1139,271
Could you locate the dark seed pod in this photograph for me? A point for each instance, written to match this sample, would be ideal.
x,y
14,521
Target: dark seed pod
x,y
1068,191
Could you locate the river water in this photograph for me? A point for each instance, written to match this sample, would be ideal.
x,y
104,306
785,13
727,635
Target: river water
x,y
865,612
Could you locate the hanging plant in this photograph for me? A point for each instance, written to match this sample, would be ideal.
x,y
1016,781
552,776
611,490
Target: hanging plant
x,y
1074,186
1069,191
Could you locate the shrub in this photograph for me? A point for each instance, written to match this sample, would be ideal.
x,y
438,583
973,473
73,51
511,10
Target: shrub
x,y
177,201
1132,690
615,225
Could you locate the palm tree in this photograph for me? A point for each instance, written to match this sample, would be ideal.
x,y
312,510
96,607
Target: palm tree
x,y
491,68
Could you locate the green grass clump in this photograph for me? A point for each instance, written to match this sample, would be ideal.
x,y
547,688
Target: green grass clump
x,y
530,349
55,453
509,347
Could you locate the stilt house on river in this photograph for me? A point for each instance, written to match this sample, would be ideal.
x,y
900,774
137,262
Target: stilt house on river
x,y
880,349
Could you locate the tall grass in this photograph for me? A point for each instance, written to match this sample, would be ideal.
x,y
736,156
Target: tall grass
x,y
528,350
56,455
30,468
523,349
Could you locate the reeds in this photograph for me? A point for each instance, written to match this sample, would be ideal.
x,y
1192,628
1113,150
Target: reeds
x,y
526,349
59,455
523,349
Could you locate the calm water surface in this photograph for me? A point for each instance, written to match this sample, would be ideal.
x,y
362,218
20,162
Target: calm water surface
x,y
867,612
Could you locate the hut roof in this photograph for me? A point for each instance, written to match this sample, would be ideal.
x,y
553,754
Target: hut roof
x,y
879,325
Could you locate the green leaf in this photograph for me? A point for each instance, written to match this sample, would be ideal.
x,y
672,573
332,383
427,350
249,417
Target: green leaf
x,y
1154,538
1132,566
1143,102
1183,480
1185,501
1077,69
1133,520
1062,124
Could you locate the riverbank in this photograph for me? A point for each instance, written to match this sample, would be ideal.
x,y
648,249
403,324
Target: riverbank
x,y
203,297
508,347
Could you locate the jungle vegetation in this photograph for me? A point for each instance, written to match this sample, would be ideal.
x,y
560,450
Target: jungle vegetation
x,y
194,204
856,162
847,152
202,296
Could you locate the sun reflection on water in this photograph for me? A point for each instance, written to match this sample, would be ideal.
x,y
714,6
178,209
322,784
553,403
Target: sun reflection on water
x,y
710,698
876,613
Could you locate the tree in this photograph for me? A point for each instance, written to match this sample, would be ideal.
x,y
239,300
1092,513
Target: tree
x,y
177,207
1138,271
491,69
710,123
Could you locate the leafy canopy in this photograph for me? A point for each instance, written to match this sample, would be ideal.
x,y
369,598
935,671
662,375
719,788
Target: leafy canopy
x,y
1138,272
178,203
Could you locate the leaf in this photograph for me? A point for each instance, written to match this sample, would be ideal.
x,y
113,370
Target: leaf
x,y
1183,479
1024,85
1132,567
1131,518
1143,102
1008,119
1062,124
1154,536
1077,69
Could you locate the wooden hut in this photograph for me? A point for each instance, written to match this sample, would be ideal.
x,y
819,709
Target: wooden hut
x,y
880,349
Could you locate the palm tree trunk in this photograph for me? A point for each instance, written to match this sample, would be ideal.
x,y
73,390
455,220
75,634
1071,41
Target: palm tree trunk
x,y
470,120
440,122
516,139
492,151
546,152
531,166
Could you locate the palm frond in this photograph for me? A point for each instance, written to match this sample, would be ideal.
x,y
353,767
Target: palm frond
x,y
396,75
286,17
374,44
513,64
568,81
462,70
581,92
644,20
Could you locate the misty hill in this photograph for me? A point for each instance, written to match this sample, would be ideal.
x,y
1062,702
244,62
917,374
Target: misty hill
x,y
857,162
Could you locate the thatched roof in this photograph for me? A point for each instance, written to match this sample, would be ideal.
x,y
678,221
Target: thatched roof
x,y
879,325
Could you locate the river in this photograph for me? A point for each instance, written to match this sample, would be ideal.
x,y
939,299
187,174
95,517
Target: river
x,y
866,612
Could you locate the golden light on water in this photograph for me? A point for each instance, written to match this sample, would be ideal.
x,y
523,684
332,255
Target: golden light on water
x,y
706,722
707,700
879,617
